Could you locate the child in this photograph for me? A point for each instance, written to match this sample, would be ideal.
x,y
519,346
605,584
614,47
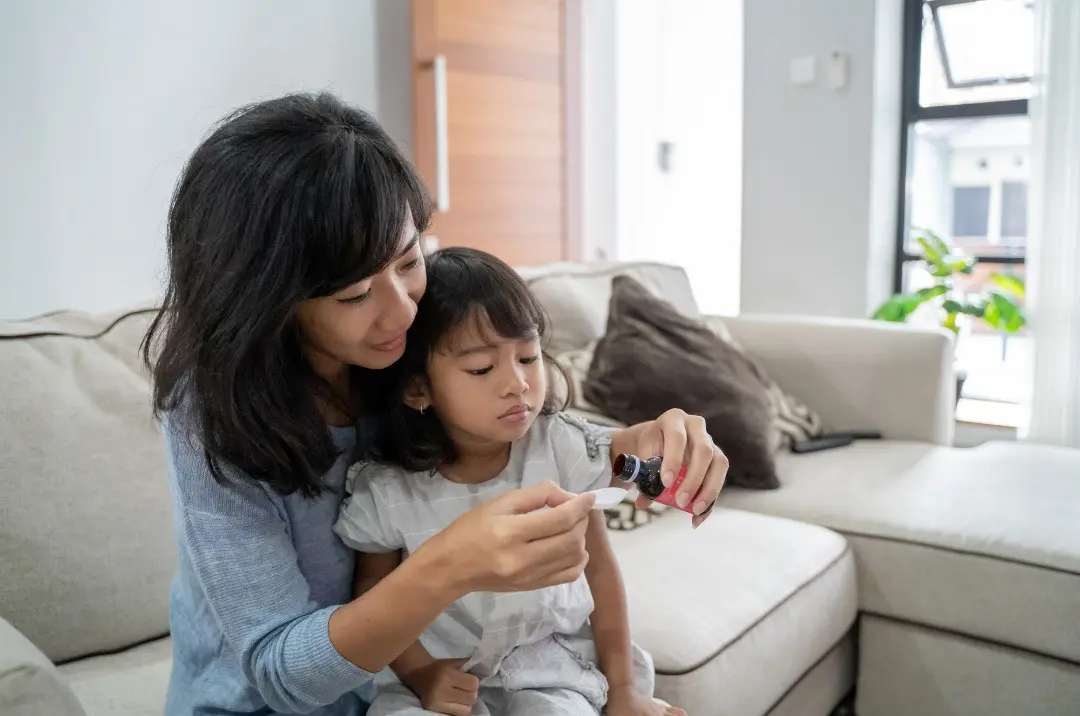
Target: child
x,y
471,417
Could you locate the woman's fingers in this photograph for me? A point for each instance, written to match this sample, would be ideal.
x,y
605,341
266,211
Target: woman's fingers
x,y
532,498
673,435
697,456
555,521
557,553
564,576
715,476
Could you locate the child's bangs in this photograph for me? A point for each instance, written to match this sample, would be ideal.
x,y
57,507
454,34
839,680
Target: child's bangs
x,y
362,208
483,295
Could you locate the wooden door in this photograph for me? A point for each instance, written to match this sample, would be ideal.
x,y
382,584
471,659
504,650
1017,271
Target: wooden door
x,y
508,74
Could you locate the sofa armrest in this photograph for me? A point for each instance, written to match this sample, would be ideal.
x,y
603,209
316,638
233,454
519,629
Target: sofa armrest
x,y
30,684
859,374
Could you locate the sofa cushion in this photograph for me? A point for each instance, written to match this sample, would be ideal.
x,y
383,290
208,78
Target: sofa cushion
x,y
86,516
981,542
717,605
131,683
29,683
576,296
652,359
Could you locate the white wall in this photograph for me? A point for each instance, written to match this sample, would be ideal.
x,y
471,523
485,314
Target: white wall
x,y
820,166
678,78
104,100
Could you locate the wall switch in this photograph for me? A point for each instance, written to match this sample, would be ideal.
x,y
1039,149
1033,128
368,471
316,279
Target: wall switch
x,y
802,70
429,244
838,71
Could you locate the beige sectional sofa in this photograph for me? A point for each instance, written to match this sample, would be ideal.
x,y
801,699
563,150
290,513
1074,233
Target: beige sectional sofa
x,y
937,580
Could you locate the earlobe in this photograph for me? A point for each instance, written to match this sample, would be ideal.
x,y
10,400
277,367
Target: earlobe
x,y
416,395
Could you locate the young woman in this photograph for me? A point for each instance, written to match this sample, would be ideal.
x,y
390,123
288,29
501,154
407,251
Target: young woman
x,y
294,274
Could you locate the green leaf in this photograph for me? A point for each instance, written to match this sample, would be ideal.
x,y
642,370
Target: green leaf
x,y
931,250
1009,283
969,309
965,264
1004,314
941,258
899,307
938,244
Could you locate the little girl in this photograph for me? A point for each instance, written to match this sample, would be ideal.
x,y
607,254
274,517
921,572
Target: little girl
x,y
471,417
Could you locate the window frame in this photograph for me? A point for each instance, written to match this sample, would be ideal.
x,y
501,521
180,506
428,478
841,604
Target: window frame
x,y
912,112
943,51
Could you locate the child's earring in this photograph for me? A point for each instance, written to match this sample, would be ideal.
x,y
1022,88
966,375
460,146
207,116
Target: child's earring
x,y
422,408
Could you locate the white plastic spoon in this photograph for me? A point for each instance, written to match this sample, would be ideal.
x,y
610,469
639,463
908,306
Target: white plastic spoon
x,y
607,497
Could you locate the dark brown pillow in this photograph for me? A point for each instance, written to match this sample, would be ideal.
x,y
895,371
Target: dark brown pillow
x,y
653,358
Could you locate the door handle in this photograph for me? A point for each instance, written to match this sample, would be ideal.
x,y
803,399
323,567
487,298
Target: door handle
x,y
442,149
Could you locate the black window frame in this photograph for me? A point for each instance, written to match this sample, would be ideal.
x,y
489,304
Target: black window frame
x,y
911,113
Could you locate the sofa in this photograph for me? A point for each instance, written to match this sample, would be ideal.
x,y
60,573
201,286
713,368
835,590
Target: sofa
x,y
922,578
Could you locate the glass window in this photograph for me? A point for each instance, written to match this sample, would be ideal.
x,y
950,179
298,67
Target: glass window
x,y
966,143
1014,210
976,51
971,211
968,183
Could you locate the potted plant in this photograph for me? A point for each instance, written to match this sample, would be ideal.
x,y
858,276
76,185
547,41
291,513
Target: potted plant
x,y
999,306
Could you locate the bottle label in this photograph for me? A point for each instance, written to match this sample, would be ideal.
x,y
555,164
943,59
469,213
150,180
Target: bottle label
x,y
667,497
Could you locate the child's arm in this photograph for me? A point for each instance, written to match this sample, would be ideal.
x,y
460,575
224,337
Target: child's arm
x,y
610,622
370,570
440,684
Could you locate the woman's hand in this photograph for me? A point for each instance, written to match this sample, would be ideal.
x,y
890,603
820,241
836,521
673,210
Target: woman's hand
x,y
512,545
680,439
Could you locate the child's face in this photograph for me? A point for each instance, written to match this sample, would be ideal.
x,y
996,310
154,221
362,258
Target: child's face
x,y
487,388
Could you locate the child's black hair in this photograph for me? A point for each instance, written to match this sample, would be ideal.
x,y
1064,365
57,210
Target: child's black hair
x,y
463,285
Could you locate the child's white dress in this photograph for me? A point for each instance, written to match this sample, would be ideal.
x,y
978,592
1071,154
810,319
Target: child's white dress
x,y
532,651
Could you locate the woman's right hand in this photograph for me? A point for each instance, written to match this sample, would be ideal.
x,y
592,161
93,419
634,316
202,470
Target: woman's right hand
x,y
512,545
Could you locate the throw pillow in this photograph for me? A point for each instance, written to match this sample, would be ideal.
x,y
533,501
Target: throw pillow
x,y
792,420
652,358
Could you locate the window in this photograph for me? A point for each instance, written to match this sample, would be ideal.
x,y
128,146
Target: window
x,y
1014,210
965,161
971,211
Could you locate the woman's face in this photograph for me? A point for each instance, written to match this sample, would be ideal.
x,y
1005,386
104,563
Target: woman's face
x,y
365,324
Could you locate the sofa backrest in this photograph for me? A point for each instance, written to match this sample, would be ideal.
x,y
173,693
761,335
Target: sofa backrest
x,y
576,296
86,547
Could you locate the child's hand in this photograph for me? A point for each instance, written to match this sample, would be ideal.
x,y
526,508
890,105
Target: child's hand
x,y
626,701
444,688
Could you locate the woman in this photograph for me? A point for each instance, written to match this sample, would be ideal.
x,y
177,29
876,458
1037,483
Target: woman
x,y
294,273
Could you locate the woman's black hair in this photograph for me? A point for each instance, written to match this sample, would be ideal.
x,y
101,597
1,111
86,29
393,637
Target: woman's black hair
x,y
463,285
286,200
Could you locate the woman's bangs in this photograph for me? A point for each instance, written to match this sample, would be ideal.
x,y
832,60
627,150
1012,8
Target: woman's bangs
x,y
366,204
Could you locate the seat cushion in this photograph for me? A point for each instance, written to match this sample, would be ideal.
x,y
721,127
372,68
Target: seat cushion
x,y
981,542
717,605
85,513
131,683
